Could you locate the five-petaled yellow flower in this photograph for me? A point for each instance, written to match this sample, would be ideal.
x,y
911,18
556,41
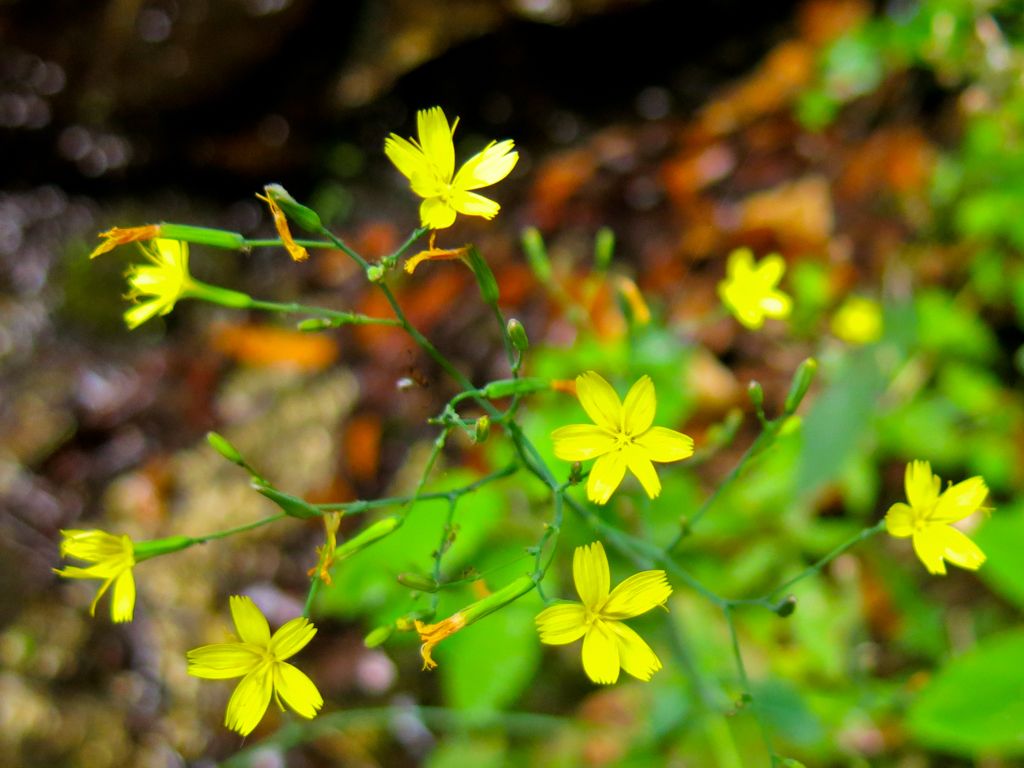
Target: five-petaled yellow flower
x,y
750,290
429,164
259,659
608,644
929,516
621,437
112,558
165,280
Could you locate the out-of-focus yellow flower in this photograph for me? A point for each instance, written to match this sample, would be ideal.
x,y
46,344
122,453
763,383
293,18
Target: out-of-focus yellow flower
x,y
750,290
164,280
429,164
858,321
296,251
112,558
621,437
929,515
123,235
259,659
608,644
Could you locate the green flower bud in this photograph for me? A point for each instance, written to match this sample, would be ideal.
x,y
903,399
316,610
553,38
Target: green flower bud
x,y
484,275
482,429
604,248
801,383
756,393
290,505
517,334
417,582
536,254
379,636
218,238
220,444
143,550
509,387
375,273
786,607
372,533
315,324
305,217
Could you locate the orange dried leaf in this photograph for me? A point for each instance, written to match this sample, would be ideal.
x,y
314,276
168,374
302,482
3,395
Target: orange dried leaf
x,y
268,346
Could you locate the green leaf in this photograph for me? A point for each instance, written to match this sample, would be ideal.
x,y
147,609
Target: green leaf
x,y
976,702
1002,539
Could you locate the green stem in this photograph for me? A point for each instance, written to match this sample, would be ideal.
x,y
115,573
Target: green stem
x,y
340,318
278,242
748,696
238,529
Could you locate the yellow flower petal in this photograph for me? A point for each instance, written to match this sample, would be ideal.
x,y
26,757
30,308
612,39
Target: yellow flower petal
x,y
922,487
579,442
250,700
770,270
601,654
122,603
487,167
639,407
749,290
599,401
221,661
436,140
638,594
291,638
250,622
958,549
561,624
296,251
960,500
436,214
740,265
297,690
93,545
663,445
635,655
472,204
641,466
408,159
899,520
776,304
590,573
605,476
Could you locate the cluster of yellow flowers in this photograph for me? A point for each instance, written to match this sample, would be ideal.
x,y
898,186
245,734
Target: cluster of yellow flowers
x,y
622,437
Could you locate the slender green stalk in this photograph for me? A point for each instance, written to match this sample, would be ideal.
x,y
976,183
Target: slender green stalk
x,y
271,243
748,695
238,529
340,318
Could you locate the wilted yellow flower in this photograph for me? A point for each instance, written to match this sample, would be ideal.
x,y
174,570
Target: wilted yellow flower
x,y
432,634
259,659
608,644
123,235
429,164
929,516
621,437
749,290
112,558
165,280
858,321
296,251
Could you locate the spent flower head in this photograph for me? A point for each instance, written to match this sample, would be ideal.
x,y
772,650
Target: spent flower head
x,y
429,164
259,658
750,291
620,438
608,644
116,236
928,517
112,559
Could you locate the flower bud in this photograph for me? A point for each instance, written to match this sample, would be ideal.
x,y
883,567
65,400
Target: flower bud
x,y
756,393
482,429
536,254
143,550
305,217
218,238
375,273
801,383
604,248
220,444
484,275
517,334
417,582
369,535
379,636
290,505
786,607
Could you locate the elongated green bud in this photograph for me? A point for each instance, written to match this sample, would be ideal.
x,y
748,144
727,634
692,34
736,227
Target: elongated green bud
x,y
517,334
315,324
372,533
290,505
499,599
218,238
417,582
225,297
604,248
756,393
143,550
305,217
536,254
221,445
379,636
509,387
801,383
484,276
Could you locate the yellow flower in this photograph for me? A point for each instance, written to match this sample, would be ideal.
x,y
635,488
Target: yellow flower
x,y
123,235
259,659
112,558
858,321
749,290
608,644
432,634
929,516
621,437
429,164
166,279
